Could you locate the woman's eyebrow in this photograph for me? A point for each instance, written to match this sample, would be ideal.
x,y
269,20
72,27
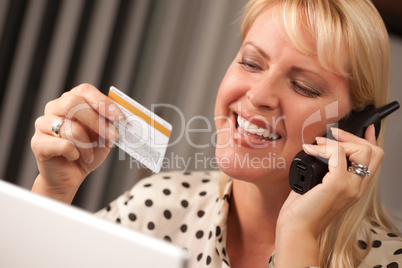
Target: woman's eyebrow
x,y
322,82
297,69
262,52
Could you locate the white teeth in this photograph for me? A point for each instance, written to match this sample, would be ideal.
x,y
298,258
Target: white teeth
x,y
254,129
261,132
246,124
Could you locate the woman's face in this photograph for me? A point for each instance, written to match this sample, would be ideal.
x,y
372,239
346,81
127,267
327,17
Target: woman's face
x,y
273,99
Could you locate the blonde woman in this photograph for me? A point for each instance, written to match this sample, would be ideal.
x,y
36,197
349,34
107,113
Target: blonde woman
x,y
297,58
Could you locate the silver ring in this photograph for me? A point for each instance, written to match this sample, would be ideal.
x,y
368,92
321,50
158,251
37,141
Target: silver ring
x,y
56,125
359,169
360,166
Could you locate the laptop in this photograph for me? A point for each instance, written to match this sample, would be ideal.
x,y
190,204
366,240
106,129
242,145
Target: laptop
x,y
36,231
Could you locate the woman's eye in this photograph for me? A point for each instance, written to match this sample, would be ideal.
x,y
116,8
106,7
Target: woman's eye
x,y
305,91
250,65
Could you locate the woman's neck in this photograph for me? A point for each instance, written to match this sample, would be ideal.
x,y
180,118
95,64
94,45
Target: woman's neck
x,y
253,213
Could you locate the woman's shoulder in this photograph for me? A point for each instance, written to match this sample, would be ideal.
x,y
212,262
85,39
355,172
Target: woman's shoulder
x,y
384,248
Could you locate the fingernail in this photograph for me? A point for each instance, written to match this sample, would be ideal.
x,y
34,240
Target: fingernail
x,y
335,131
307,147
113,109
321,139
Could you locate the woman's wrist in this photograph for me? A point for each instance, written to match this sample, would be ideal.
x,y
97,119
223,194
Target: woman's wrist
x,y
41,187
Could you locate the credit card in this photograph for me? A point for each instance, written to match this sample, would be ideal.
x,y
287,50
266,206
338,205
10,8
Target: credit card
x,y
142,134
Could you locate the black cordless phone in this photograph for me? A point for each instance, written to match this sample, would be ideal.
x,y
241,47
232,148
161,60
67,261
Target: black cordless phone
x,y
307,171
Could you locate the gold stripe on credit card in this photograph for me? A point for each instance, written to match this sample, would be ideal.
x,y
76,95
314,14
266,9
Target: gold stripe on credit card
x,y
139,113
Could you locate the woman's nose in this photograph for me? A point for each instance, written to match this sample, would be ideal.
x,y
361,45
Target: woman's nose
x,y
264,95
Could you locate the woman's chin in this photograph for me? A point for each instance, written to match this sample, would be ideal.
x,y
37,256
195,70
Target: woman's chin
x,y
242,167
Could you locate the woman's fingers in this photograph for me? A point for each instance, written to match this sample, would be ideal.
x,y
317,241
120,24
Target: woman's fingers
x,y
368,145
370,135
364,154
341,135
46,147
331,151
96,100
76,108
86,113
70,131
357,150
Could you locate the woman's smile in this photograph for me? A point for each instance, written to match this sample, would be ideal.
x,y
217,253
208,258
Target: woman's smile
x,y
253,128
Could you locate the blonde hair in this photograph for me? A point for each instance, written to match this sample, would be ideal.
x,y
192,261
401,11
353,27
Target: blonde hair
x,y
350,30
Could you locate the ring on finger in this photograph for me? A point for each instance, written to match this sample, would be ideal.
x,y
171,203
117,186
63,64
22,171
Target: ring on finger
x,y
359,169
56,125
365,168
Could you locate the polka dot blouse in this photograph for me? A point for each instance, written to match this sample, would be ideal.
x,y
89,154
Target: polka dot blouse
x,y
191,209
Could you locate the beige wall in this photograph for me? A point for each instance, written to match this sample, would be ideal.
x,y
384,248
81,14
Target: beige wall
x,y
391,178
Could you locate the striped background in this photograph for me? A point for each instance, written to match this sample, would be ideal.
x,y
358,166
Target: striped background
x,y
157,51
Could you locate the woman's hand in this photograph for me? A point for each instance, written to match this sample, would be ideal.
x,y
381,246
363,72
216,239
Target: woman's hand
x,y
304,217
85,140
